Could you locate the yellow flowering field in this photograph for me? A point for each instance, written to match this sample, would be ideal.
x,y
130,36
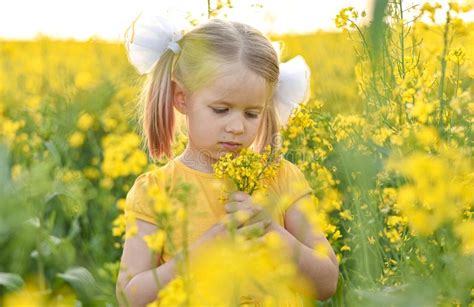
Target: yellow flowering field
x,y
385,142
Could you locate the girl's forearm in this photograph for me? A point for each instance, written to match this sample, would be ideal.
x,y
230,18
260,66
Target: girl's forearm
x,y
320,272
143,288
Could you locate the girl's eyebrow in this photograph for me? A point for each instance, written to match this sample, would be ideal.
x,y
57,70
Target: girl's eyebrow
x,y
259,107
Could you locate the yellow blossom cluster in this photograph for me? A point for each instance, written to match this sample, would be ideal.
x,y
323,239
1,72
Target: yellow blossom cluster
x,y
345,126
311,136
124,225
9,128
30,294
347,16
246,272
249,171
122,155
171,205
440,188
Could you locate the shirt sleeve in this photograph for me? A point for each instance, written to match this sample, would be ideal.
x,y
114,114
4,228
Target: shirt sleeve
x,y
137,201
293,185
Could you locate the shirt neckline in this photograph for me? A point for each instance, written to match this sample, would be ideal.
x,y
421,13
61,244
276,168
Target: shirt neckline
x,y
192,170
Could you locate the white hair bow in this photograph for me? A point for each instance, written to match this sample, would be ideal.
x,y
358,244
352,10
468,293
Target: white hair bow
x,y
148,37
292,88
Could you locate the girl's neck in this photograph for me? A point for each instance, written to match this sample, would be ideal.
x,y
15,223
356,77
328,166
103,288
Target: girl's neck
x,y
197,161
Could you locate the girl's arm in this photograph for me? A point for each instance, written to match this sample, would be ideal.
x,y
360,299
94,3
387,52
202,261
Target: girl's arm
x,y
321,272
136,285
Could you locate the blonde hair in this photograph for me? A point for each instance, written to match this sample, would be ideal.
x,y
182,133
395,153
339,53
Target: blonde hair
x,y
205,53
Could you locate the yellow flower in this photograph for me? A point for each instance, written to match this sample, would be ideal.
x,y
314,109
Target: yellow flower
x,y
346,215
181,215
395,220
70,176
321,250
457,55
9,129
246,270
121,204
161,201
431,9
132,228
336,235
85,121
28,295
343,17
122,155
16,171
438,188
84,80
427,136
381,135
173,294
465,231
156,240
249,171
422,109
106,183
371,240
345,248
76,139
392,235
91,172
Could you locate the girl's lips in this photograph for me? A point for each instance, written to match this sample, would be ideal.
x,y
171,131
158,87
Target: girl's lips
x,y
231,146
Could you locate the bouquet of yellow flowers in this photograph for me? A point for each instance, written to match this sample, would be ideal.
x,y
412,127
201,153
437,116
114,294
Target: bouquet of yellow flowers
x,y
249,171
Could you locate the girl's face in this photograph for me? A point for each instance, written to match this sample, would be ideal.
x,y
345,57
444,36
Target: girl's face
x,y
229,110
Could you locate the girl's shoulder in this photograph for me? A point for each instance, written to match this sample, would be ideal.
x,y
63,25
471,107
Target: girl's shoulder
x,y
139,199
289,171
154,177
290,180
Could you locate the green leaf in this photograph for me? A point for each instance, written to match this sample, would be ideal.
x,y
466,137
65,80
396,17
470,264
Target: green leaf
x,y
11,281
82,281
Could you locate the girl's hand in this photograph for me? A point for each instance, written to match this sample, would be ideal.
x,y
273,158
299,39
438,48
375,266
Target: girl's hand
x,y
249,219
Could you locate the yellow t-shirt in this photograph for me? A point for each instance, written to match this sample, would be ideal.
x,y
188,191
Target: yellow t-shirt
x,y
208,208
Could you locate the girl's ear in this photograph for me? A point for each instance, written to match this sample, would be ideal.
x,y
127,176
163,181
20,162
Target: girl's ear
x,y
179,97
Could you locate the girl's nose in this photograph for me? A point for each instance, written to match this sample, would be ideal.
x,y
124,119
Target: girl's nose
x,y
235,125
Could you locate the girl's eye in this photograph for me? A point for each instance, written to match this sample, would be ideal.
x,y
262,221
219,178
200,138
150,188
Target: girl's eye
x,y
219,111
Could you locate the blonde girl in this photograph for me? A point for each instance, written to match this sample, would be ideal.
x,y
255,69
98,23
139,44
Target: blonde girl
x,y
225,79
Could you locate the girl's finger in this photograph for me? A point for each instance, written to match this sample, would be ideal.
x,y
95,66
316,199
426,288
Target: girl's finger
x,y
242,217
239,196
262,215
238,218
231,207
254,230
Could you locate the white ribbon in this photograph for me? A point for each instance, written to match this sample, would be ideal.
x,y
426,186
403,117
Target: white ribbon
x,y
292,88
148,37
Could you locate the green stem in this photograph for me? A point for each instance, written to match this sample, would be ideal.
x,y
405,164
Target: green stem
x,y
457,80
184,229
41,270
443,69
208,9
402,39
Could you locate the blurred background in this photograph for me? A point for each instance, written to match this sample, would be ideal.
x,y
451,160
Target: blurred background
x,y
385,142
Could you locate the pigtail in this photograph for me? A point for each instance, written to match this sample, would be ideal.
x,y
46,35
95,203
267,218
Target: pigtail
x,y
268,132
158,118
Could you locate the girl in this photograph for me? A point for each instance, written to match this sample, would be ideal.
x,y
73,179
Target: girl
x,y
226,79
